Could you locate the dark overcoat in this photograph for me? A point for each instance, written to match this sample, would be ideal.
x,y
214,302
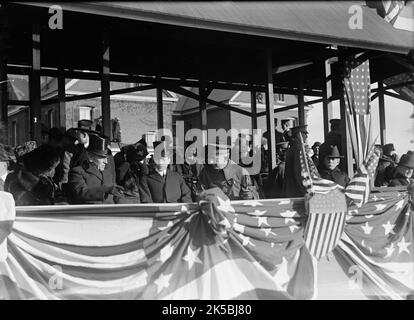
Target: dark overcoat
x,y
87,185
336,175
292,184
157,189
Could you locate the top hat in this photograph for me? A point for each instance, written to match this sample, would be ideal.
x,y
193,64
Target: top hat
x,y
388,148
330,151
85,124
295,130
98,145
407,160
6,153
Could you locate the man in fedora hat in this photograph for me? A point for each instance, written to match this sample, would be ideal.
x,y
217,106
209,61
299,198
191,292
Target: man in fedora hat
x,y
328,165
292,185
89,183
220,171
163,185
404,171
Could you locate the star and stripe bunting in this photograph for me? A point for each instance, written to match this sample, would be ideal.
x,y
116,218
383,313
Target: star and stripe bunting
x,y
378,239
166,251
171,252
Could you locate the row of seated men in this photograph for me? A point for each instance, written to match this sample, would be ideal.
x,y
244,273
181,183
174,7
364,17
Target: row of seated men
x,y
78,168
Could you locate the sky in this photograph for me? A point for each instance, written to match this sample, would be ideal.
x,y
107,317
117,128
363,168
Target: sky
x,y
398,122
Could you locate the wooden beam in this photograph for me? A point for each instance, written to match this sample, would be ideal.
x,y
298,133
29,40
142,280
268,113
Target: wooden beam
x,y
61,98
396,86
397,96
374,96
381,105
160,111
327,96
292,106
34,88
98,94
301,101
105,86
3,76
195,96
203,111
253,102
270,114
93,75
346,147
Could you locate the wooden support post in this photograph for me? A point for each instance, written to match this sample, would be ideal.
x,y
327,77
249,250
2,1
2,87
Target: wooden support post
x,y
270,114
34,88
327,97
381,106
160,115
3,76
346,146
301,101
253,102
61,98
106,87
203,111
3,100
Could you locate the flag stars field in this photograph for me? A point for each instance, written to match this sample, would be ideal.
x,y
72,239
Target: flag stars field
x,y
380,207
192,257
262,221
388,228
367,228
163,282
390,250
403,246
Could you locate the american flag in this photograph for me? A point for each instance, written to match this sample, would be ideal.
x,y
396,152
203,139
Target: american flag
x,y
388,9
359,187
357,91
216,250
327,208
379,241
326,222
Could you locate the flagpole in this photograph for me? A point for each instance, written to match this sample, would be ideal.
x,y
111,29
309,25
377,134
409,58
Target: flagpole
x,y
305,159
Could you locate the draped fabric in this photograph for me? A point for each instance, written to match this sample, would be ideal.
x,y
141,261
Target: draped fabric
x,y
216,249
377,246
167,251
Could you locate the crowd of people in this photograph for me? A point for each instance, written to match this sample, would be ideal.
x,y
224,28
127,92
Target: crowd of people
x,y
77,167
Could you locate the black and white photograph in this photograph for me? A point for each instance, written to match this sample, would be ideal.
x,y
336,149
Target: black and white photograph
x,y
225,153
